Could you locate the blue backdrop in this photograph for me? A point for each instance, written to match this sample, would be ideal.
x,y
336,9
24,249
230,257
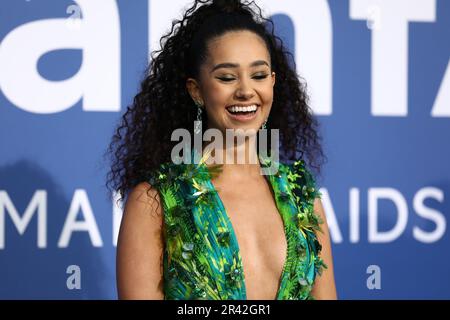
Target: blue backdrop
x,y
379,77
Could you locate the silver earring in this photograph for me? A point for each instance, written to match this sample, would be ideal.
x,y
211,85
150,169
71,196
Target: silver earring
x,y
198,123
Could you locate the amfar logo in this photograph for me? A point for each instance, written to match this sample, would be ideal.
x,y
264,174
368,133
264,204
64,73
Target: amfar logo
x,y
98,36
80,205
97,81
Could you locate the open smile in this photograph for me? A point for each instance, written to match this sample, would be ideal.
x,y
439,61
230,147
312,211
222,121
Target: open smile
x,y
243,113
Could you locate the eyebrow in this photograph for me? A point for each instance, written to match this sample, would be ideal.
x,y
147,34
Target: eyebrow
x,y
236,65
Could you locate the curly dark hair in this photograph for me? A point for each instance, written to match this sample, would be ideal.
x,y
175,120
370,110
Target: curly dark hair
x,y
142,140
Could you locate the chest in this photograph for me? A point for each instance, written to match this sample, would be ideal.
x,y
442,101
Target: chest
x,y
260,233
253,214
230,244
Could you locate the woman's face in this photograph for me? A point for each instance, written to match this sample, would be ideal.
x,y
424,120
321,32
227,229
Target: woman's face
x,y
236,82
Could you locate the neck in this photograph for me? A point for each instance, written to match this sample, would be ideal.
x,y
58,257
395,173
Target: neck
x,y
238,161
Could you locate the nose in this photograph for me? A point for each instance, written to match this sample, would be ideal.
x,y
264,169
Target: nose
x,y
244,90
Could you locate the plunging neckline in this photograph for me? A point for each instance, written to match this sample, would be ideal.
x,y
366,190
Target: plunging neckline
x,y
270,181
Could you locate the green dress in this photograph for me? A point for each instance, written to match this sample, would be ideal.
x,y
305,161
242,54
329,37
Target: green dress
x,y
202,258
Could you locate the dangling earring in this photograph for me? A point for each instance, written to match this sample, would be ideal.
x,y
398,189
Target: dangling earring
x,y
198,122
264,125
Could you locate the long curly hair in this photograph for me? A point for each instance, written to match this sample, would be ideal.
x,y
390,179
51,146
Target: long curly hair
x,y
142,140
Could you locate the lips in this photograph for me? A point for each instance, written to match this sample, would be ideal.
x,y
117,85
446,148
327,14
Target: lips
x,y
243,112
238,108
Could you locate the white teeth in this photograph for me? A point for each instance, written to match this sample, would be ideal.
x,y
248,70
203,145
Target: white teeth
x,y
242,109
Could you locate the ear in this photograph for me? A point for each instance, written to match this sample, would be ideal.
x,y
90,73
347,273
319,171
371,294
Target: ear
x,y
273,78
193,88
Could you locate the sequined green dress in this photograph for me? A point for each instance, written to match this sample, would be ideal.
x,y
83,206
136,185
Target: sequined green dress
x,y
202,258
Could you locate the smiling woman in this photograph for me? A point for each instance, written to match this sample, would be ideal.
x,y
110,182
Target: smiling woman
x,y
213,230
237,93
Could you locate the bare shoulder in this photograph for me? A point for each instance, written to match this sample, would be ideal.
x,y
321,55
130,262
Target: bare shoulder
x,y
140,245
144,202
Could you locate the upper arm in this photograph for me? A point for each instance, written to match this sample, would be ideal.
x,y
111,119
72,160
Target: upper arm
x,y
324,285
140,246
